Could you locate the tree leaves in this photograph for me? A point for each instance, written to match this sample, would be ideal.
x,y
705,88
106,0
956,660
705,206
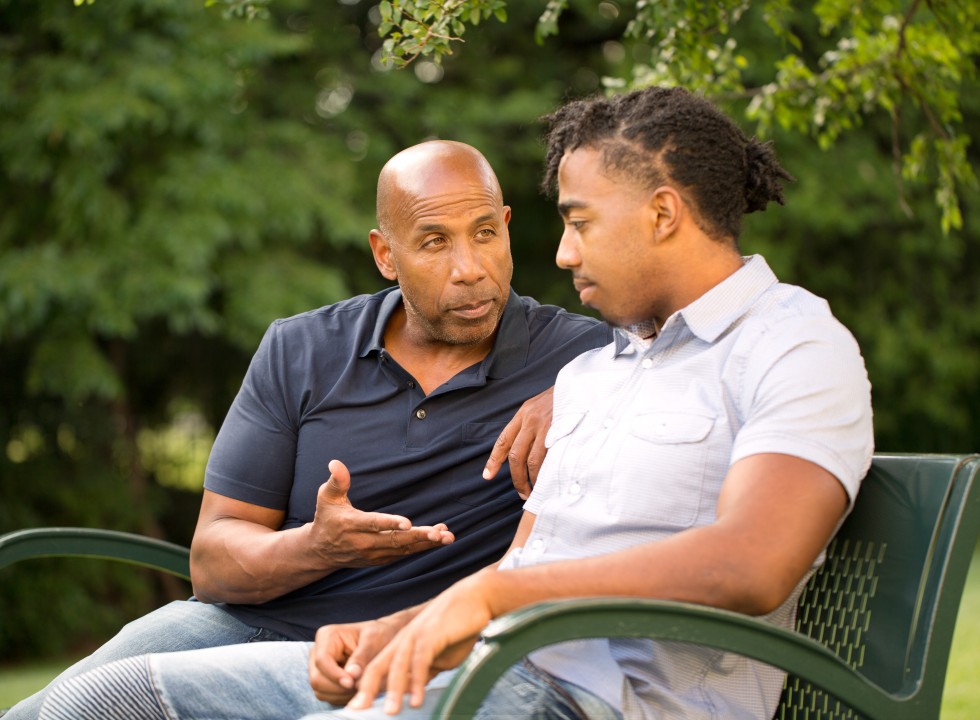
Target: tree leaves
x,y
887,56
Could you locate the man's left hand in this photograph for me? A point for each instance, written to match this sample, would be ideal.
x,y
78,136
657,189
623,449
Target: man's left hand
x,y
521,443
437,639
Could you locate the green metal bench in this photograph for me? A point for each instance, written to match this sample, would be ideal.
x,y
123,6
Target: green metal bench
x,y
874,624
94,543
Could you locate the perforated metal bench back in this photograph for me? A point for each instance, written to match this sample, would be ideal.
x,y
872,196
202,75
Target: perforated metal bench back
x,y
870,599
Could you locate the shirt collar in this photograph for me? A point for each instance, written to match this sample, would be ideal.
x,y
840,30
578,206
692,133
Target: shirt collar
x,y
718,309
510,348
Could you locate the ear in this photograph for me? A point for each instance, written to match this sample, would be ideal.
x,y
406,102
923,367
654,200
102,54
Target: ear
x,y
381,249
666,207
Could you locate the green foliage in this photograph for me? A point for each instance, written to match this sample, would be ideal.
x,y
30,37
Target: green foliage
x,y
171,181
890,57
427,28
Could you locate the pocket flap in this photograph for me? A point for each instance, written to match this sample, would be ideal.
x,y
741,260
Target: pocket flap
x,y
672,427
562,425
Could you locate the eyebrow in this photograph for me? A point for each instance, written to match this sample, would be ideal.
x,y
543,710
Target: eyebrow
x,y
439,227
564,208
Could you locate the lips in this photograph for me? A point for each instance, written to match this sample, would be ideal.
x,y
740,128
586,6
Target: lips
x,y
476,309
584,288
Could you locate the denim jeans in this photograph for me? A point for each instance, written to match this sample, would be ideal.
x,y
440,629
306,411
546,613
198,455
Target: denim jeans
x,y
255,681
180,625
270,681
524,692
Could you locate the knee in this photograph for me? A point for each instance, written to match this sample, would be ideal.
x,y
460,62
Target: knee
x,y
121,690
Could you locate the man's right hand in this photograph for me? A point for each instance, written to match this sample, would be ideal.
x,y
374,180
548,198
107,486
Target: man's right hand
x,y
239,554
341,652
347,537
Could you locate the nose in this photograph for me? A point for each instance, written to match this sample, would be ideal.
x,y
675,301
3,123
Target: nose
x,y
568,256
468,267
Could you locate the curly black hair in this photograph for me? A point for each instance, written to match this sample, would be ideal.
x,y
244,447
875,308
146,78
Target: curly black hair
x,y
659,135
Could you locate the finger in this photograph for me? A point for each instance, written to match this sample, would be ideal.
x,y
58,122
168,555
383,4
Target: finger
x,y
520,450
383,523
439,534
501,447
420,674
398,676
330,649
372,679
335,489
535,458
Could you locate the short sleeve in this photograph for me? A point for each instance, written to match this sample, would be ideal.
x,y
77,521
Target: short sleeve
x,y
254,454
806,394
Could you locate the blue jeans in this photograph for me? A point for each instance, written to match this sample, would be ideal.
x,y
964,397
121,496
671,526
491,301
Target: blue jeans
x,y
258,681
524,692
181,625
270,681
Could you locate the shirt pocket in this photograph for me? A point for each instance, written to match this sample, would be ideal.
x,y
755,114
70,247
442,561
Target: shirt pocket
x,y
660,470
468,485
562,426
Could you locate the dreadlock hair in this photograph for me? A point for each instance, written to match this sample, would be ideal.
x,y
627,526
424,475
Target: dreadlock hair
x,y
659,135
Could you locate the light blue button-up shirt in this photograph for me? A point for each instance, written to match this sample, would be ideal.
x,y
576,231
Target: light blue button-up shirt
x,y
642,438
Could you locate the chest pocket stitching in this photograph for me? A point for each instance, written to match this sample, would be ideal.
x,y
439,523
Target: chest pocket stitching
x,y
561,426
671,428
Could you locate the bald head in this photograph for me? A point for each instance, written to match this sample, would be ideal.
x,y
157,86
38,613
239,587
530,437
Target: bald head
x,y
417,172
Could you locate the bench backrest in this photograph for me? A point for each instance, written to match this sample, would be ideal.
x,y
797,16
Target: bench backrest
x,y
886,599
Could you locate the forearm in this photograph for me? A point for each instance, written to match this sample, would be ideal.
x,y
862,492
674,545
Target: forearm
x,y
706,566
775,515
238,561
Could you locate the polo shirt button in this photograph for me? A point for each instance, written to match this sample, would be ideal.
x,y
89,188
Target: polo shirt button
x,y
420,414
411,384
647,363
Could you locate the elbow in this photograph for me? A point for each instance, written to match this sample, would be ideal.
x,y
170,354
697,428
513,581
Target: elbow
x,y
762,603
199,581
754,593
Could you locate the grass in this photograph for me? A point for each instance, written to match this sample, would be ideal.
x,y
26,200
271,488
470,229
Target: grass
x,y
961,699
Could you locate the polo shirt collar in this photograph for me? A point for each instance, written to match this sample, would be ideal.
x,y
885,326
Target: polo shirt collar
x,y
718,309
510,348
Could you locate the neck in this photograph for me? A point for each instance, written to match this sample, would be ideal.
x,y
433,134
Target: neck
x,y
429,361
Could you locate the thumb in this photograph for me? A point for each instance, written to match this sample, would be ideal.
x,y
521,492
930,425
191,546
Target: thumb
x,y
336,487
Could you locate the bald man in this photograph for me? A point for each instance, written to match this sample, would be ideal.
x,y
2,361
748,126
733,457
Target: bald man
x,y
347,481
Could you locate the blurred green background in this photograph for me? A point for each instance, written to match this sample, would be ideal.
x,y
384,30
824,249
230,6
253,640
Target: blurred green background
x,y
172,181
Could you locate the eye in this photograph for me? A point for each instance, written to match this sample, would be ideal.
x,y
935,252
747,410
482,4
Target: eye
x,y
576,225
486,233
436,241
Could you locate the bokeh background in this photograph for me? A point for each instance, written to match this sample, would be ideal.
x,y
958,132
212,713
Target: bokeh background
x,y
171,181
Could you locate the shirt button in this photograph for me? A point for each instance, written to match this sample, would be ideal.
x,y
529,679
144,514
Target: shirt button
x,y
537,544
574,488
420,414
647,363
411,384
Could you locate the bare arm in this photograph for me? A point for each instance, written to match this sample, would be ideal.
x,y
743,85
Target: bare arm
x,y
775,515
239,554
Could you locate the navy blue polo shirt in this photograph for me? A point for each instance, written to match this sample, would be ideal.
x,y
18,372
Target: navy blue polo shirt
x,y
321,386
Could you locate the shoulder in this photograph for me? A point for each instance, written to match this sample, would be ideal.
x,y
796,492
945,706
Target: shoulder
x,y
552,318
787,316
340,315
296,340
